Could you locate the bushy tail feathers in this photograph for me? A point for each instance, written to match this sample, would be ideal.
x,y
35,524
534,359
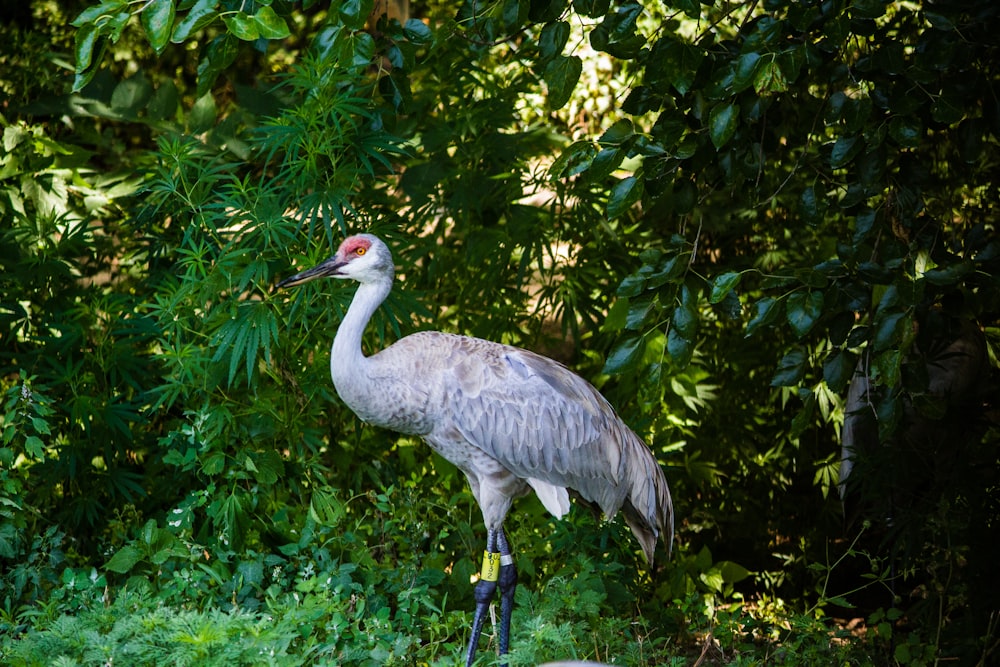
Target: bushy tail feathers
x,y
648,509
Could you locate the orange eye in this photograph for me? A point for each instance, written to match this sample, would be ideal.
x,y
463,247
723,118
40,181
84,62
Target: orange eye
x,y
359,251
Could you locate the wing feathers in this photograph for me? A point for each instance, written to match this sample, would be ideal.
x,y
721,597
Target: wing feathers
x,y
544,424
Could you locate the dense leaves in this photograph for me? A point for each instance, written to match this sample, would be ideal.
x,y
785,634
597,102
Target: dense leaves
x,y
741,220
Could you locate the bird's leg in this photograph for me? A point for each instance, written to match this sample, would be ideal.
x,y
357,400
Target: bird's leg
x,y
508,583
485,591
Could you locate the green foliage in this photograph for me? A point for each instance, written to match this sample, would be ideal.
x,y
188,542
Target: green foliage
x,y
716,212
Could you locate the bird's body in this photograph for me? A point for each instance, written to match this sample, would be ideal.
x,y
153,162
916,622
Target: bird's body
x,y
510,419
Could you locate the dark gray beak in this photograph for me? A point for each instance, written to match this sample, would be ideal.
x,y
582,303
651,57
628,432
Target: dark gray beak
x,y
330,267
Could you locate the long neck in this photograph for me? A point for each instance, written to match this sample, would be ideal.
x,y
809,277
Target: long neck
x,y
346,356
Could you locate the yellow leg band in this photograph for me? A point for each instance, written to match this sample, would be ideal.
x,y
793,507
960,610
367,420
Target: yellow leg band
x,y
491,566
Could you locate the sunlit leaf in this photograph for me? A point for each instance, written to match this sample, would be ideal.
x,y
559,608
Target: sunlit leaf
x,y
200,15
158,21
242,25
272,26
770,78
105,9
723,284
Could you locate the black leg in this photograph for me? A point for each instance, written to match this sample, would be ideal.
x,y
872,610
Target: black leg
x,y
485,592
508,583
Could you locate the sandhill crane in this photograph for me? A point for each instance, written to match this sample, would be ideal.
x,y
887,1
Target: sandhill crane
x,y
511,420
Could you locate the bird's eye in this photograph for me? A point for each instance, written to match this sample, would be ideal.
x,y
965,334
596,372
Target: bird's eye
x,y
359,251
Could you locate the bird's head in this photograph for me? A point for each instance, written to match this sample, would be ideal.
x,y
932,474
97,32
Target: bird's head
x,y
362,257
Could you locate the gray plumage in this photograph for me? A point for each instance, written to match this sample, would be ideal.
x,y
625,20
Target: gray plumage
x,y
510,419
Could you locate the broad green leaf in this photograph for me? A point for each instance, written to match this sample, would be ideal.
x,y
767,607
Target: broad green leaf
x,y
871,9
89,50
679,348
34,446
804,417
325,508
906,131
268,466
86,39
163,104
201,14
212,463
624,194
685,316
723,284
744,69
616,34
669,270
844,150
272,26
242,25
575,159
631,285
105,9
158,20
732,572
553,39
131,94
514,13
219,55
124,559
673,63
838,369
810,206
766,312
690,7
887,367
203,114
619,134
353,13
887,330
770,78
40,425
948,275
871,166
604,163
617,316
358,50
561,76
639,312
625,355
802,310
791,369
592,8
722,123
417,31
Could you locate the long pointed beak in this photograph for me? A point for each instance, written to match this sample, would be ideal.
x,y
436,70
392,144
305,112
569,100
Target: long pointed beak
x,y
330,267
